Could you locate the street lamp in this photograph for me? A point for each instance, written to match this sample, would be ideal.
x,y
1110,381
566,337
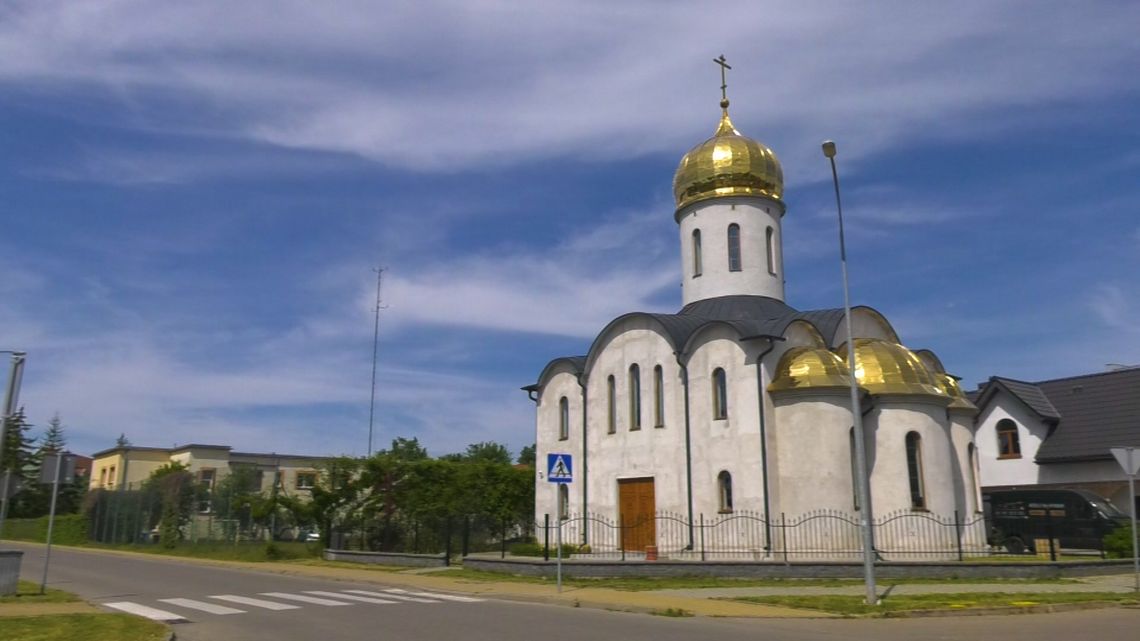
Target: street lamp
x,y
11,401
872,597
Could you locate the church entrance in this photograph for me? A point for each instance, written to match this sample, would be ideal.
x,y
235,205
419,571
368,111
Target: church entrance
x,y
637,505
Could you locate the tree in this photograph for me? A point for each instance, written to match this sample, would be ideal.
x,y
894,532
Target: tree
x,y
405,449
487,452
174,485
53,439
122,441
18,446
526,455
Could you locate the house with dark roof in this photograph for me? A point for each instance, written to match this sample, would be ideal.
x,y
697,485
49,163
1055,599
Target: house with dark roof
x,y
1057,433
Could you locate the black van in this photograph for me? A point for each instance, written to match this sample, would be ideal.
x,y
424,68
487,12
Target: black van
x,y
1080,519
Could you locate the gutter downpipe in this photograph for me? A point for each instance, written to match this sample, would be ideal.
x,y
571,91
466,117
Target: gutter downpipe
x,y
688,444
585,465
764,438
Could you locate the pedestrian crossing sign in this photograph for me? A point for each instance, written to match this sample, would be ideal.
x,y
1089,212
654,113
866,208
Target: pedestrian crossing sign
x,y
559,468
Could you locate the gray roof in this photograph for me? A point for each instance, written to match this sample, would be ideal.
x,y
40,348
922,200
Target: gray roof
x,y
1030,394
1097,411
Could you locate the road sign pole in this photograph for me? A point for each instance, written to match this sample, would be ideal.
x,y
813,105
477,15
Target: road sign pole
x,y
558,540
51,517
1129,459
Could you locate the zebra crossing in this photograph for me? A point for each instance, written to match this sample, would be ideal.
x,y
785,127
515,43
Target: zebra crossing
x,y
230,604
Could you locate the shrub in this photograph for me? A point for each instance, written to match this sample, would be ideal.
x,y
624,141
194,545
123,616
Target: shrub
x,y
70,529
1118,543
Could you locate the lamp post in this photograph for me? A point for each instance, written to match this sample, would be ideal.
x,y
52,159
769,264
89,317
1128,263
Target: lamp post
x,y
872,597
11,401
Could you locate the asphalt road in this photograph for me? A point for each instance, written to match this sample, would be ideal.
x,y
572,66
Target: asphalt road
x,y
145,581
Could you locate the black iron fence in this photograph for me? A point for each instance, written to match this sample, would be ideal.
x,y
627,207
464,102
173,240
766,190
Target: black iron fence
x,y
815,535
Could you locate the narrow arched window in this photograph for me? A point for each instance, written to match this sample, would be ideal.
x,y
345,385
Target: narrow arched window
x,y
634,397
1009,443
658,397
720,394
611,399
770,243
563,502
854,468
696,252
975,483
914,471
734,248
724,485
563,418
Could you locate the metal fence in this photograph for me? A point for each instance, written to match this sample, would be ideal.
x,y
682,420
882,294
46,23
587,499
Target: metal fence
x,y
742,534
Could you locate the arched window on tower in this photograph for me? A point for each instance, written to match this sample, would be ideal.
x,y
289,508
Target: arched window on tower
x,y
658,397
975,483
734,248
563,419
634,397
770,243
724,486
720,394
854,468
611,398
914,471
1009,443
563,501
696,253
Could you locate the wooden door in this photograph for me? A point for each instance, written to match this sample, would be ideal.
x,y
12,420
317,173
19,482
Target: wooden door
x,y
637,506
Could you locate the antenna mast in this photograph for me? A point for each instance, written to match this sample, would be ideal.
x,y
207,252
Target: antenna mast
x,y
375,349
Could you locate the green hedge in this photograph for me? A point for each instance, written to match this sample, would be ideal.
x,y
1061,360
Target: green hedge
x,y
70,529
1118,544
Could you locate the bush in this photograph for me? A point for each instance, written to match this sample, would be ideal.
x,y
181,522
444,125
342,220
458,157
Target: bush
x,y
1118,543
70,529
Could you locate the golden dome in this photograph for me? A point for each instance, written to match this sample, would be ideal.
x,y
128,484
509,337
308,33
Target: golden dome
x,y
882,367
809,367
728,164
950,386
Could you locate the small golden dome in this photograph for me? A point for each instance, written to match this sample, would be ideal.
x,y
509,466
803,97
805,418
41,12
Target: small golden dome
x,y
882,367
728,164
950,386
809,367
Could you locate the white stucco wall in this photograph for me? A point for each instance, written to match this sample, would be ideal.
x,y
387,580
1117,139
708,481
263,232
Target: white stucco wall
x,y
1031,431
561,383
812,461
891,420
967,479
754,215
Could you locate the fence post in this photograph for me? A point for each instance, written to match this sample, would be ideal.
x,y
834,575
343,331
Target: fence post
x,y
503,541
447,543
1049,532
702,536
784,536
958,534
466,535
621,537
546,537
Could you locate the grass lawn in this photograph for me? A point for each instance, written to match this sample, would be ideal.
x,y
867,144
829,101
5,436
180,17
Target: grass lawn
x,y
88,627
638,584
853,605
252,551
28,592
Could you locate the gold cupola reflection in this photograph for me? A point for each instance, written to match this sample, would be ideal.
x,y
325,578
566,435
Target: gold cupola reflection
x,y
807,367
728,164
883,367
950,386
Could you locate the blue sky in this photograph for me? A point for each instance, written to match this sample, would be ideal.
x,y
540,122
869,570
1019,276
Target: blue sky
x,y
194,195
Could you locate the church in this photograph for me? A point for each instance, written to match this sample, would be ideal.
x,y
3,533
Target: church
x,y
739,403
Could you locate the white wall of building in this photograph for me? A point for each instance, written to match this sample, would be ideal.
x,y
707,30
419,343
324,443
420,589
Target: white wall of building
x,y
712,218
890,422
1031,431
812,452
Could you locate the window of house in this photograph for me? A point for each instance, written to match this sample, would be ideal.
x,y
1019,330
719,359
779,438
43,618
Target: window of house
x,y
724,485
103,477
854,468
914,470
720,394
206,477
734,248
563,418
658,397
770,242
634,397
1009,444
111,476
611,398
975,483
563,502
696,252
306,480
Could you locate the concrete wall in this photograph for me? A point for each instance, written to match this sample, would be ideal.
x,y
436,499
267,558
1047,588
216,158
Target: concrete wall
x,y
892,419
387,558
1031,432
813,455
754,215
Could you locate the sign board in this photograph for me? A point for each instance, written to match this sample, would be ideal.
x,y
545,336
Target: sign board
x,y
1129,459
11,484
50,466
559,468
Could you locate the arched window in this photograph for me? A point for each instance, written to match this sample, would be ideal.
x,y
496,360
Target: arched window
x,y
724,485
611,398
854,468
720,394
770,242
914,470
658,397
634,397
975,484
734,248
696,252
563,419
563,502
1009,444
